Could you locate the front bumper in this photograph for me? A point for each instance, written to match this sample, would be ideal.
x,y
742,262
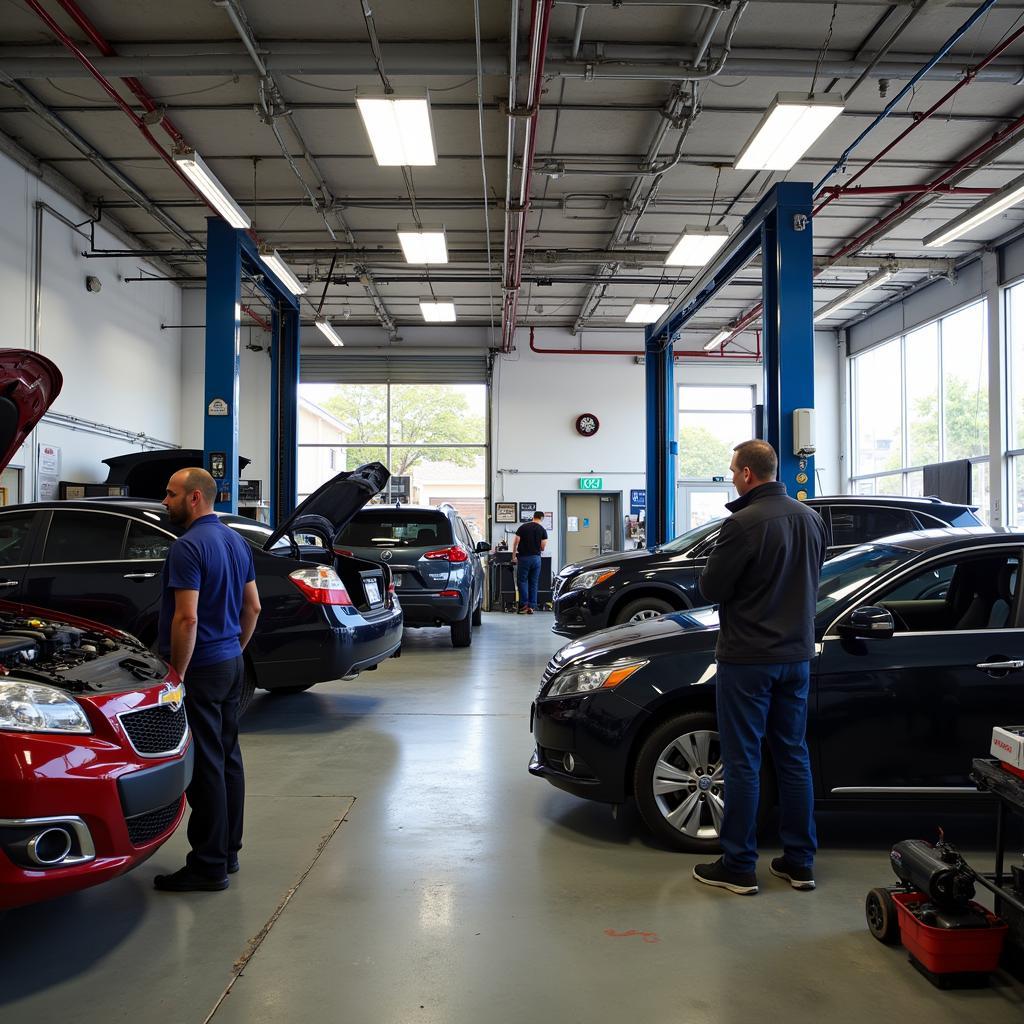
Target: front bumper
x,y
578,612
597,731
116,808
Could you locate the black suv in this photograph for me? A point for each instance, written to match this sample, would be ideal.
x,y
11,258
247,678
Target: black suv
x,y
434,558
629,586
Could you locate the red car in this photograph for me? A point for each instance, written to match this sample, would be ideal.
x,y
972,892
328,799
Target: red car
x,y
95,752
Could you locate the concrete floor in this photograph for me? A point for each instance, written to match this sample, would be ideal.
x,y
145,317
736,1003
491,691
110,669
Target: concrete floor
x,y
401,865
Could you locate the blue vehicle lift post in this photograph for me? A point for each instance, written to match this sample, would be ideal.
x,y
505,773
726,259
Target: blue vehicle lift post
x,y
229,254
780,228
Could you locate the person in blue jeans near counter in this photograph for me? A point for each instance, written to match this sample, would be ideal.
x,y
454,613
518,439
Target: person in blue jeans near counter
x,y
763,573
530,540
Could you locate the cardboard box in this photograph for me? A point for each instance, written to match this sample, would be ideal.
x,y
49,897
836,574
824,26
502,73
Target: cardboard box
x,y
1008,745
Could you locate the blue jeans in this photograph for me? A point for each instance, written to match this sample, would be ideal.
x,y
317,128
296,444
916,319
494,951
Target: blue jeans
x,y
528,577
756,703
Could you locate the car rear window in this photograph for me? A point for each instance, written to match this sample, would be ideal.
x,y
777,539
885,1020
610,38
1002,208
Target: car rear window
x,y
395,529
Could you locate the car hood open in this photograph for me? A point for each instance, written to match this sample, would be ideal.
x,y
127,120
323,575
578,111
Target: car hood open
x,y
29,384
334,503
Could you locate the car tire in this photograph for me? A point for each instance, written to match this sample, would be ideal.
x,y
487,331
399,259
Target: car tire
x,y
883,922
643,608
248,689
693,828
462,630
478,614
291,689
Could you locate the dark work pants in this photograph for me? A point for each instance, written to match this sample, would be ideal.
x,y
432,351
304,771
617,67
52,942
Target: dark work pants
x,y
765,703
217,791
529,578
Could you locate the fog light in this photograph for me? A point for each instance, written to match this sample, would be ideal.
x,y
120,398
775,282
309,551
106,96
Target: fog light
x,y
569,763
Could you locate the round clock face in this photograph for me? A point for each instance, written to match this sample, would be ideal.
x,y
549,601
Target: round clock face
x,y
587,424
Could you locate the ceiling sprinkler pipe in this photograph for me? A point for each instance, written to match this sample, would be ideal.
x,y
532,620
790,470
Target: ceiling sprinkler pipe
x,y
677,353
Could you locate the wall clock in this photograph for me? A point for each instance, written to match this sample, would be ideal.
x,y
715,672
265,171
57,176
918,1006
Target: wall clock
x,y
587,424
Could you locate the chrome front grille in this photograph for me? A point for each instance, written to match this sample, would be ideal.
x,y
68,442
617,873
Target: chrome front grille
x,y
549,671
156,731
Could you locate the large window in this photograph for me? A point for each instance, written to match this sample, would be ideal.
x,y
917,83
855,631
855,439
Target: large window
x,y
432,437
923,398
1015,401
712,421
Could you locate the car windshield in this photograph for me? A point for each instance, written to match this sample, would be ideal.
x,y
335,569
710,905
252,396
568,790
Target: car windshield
x,y
692,538
395,529
852,570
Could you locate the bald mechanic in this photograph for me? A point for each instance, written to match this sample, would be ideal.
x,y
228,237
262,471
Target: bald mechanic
x,y
207,615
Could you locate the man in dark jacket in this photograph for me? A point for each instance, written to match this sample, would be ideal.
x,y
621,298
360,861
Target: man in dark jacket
x,y
763,573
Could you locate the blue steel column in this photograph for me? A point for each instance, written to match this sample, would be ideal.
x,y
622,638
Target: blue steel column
x,y
787,274
661,442
223,308
284,374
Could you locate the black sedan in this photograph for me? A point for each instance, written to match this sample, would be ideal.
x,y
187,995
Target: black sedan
x,y
920,646
324,616
634,585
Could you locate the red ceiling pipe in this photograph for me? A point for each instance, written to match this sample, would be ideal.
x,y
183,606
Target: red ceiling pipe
x,y
678,354
256,318
137,88
71,45
539,28
966,80
843,192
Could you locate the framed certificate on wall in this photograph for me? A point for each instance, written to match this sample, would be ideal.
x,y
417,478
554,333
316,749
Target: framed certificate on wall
x,y
505,512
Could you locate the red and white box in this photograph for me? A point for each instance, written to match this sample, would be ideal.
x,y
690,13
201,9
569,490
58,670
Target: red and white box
x,y
1008,747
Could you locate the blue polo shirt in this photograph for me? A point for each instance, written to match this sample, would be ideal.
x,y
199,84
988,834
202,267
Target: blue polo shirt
x,y
213,559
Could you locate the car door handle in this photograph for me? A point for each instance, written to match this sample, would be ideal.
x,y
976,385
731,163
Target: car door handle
x,y
139,575
1000,666
8,583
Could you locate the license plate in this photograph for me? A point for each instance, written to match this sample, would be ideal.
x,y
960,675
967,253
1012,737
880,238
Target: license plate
x,y
372,591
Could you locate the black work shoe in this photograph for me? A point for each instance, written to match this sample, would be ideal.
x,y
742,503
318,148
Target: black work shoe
x,y
799,878
524,610
187,880
743,883
232,865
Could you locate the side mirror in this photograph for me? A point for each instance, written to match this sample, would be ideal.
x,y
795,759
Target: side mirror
x,y
482,547
869,623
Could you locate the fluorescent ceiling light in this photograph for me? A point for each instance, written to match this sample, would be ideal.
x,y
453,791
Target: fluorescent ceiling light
x,y
399,128
646,312
1006,197
696,246
194,168
438,311
273,259
853,294
324,326
718,339
423,245
788,129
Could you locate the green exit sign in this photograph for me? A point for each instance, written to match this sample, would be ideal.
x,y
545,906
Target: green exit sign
x,y
591,483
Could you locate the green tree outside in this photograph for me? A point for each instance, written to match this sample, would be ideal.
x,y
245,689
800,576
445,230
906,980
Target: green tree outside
x,y
965,416
419,415
701,454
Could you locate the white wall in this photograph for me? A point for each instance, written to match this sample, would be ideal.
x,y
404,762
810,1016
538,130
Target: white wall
x,y
536,451
119,367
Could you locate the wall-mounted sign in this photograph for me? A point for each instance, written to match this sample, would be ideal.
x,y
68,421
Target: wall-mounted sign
x,y
637,501
572,524
218,407
505,512
218,465
549,521
526,510
591,483
48,457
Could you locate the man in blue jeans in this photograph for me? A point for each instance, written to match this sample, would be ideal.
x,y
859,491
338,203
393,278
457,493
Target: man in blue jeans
x,y
530,540
763,573
208,613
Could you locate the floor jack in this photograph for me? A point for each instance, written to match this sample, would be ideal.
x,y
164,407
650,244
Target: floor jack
x,y
950,939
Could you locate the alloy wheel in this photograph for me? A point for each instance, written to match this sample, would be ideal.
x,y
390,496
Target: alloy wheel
x,y
689,785
644,614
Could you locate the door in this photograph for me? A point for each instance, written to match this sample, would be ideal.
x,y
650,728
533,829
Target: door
x,y
17,539
83,571
591,525
697,504
907,714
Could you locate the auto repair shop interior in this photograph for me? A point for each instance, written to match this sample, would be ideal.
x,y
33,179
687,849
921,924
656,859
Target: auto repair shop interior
x,y
401,275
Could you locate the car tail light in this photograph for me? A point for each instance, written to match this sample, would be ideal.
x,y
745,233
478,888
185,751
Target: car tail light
x,y
453,554
343,552
450,593
321,585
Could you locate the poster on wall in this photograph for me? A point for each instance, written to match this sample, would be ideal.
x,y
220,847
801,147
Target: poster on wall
x,y
504,511
549,521
526,510
48,471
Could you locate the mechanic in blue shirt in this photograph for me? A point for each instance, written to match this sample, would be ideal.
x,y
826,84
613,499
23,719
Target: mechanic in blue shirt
x,y
207,615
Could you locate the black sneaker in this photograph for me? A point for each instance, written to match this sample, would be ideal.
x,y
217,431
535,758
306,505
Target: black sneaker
x,y
232,865
186,880
799,878
744,883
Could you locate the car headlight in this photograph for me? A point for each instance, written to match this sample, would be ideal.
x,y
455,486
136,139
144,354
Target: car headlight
x,y
34,707
583,680
586,580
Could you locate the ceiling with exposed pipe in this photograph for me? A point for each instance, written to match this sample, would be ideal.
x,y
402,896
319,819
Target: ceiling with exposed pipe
x,y
575,141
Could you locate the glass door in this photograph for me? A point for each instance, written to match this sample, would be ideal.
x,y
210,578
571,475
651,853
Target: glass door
x,y
699,503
